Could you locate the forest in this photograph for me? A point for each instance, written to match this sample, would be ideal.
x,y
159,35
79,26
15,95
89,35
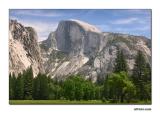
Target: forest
x,y
120,86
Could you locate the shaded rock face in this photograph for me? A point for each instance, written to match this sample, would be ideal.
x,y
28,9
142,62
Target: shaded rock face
x,y
50,43
82,48
75,47
24,50
74,38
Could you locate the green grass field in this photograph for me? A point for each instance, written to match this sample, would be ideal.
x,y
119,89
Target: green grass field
x,y
52,102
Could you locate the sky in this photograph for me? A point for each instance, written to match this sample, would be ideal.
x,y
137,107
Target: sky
x,y
134,22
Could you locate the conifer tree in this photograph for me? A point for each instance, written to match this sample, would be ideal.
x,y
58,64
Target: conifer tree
x,y
11,87
19,90
28,83
142,77
36,87
44,89
40,87
120,62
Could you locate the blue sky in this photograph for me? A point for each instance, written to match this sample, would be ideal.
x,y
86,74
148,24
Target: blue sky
x,y
135,22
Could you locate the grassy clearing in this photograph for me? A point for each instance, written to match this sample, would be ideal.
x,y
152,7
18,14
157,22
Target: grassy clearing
x,y
52,102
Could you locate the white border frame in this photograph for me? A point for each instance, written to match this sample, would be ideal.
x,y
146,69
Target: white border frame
x,y
5,5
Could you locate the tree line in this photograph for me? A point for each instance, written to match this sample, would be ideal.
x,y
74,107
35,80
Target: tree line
x,y
75,87
119,86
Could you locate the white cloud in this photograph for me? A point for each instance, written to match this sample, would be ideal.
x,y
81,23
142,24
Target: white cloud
x,y
124,21
132,20
103,27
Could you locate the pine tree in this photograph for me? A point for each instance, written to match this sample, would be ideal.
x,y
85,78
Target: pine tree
x,y
124,66
36,87
40,87
120,62
14,85
148,73
142,77
117,67
28,83
106,88
11,86
44,89
19,90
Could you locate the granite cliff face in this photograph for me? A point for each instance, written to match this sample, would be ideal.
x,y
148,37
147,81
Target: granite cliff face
x,y
75,47
82,48
75,37
24,50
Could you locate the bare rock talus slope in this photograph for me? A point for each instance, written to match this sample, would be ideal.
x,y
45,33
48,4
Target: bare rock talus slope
x,y
78,47
24,50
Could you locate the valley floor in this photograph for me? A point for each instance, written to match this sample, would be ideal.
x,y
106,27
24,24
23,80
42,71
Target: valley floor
x,y
56,102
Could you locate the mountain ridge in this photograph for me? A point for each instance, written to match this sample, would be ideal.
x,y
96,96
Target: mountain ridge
x,y
74,48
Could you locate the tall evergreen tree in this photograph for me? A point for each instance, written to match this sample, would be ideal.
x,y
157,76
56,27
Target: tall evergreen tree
x,y
40,87
106,88
44,89
10,87
142,77
120,62
55,89
28,83
19,90
12,81
36,87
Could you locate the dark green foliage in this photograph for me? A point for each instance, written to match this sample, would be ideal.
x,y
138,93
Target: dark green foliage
x,y
40,87
89,91
56,92
28,83
44,87
19,89
69,89
120,62
98,92
103,99
12,85
100,79
55,89
106,89
36,87
118,87
26,87
77,88
142,77
74,88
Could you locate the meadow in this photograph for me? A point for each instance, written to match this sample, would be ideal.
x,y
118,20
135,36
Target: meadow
x,y
68,102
